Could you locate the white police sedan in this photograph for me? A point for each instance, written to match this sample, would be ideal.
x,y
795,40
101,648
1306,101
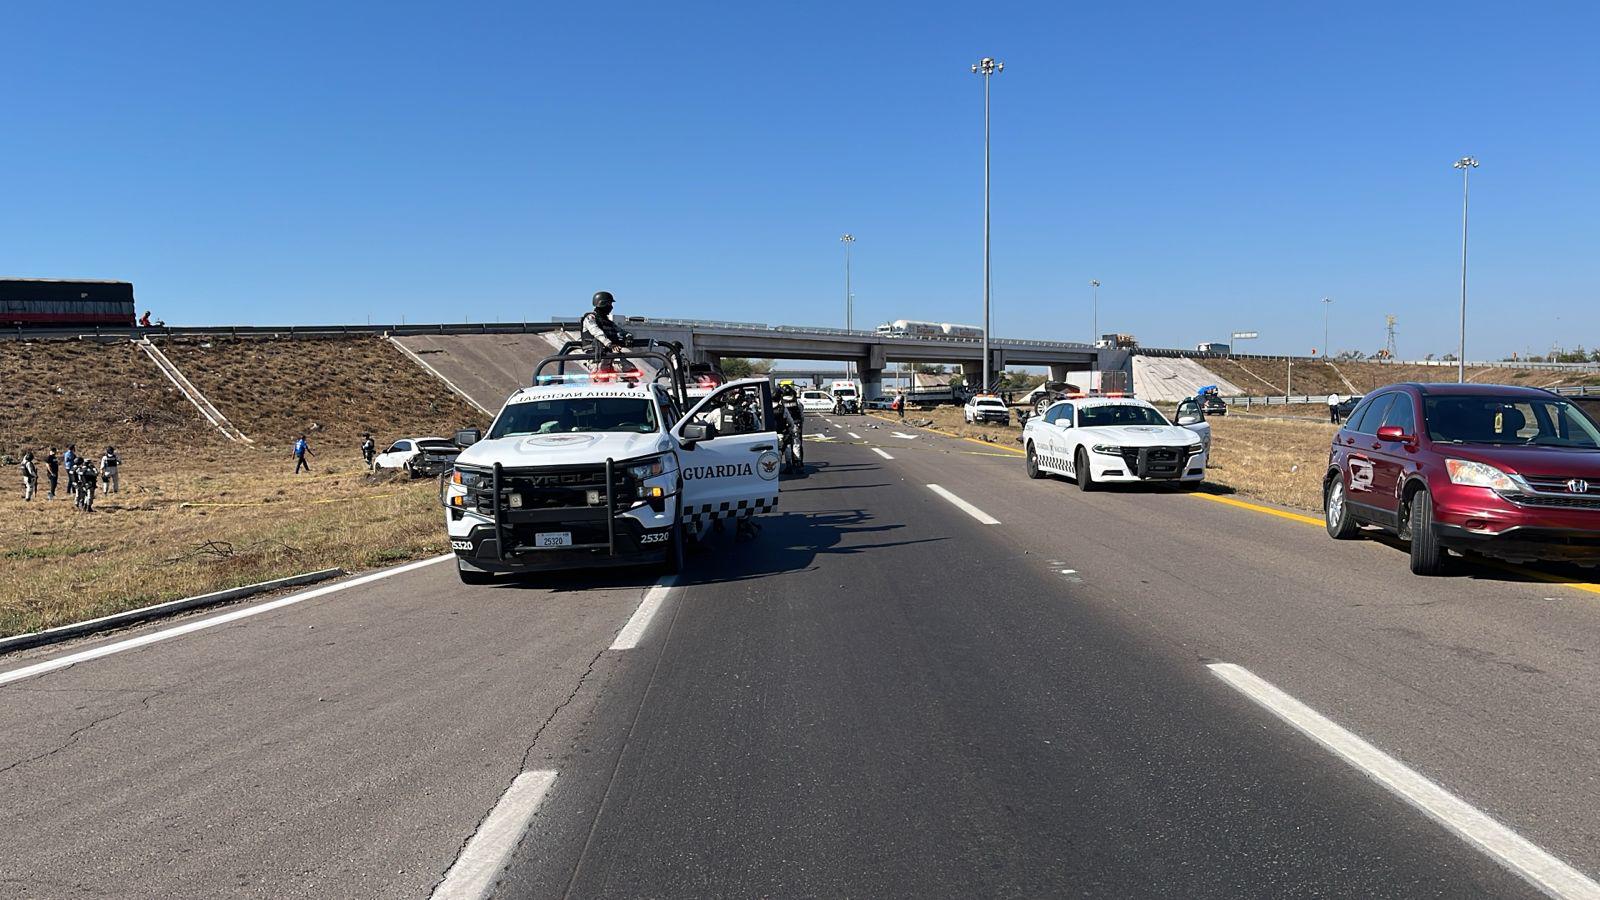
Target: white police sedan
x,y
1103,440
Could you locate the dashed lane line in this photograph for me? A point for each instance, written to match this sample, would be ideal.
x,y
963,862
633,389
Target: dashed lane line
x,y
853,435
1467,822
475,871
964,506
145,640
880,452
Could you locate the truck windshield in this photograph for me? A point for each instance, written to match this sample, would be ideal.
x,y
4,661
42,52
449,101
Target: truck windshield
x,y
1119,414
568,414
1489,419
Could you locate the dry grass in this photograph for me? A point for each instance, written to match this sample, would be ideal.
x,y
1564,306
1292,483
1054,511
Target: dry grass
x,y
1279,460
91,394
197,513
193,523
331,389
1270,376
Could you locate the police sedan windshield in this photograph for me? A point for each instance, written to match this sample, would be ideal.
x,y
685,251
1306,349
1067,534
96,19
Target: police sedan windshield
x,y
637,416
1119,414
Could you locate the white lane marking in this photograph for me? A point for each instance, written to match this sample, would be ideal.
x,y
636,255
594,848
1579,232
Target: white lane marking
x,y
909,437
1069,571
964,506
879,451
853,435
1505,846
633,632
474,872
61,662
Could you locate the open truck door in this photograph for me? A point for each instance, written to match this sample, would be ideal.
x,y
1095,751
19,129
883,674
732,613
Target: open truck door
x,y
729,455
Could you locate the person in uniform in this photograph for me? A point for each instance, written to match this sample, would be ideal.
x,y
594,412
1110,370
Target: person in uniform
x,y
369,449
604,337
30,476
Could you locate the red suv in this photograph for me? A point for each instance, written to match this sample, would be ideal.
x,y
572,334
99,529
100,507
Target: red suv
x,y
1508,472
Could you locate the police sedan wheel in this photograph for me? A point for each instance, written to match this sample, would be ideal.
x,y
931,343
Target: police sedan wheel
x,y
1033,463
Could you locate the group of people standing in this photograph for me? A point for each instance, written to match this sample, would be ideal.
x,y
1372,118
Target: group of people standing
x,y
84,478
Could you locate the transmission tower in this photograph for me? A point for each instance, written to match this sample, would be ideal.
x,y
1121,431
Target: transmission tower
x,y
1389,321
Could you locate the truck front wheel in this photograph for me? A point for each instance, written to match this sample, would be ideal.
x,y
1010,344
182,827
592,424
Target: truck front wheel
x,y
473,576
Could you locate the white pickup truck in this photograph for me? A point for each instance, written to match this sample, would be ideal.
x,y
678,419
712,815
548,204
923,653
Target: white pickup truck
x,y
575,474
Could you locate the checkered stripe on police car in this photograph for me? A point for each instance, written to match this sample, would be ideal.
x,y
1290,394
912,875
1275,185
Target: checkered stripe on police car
x,y
695,516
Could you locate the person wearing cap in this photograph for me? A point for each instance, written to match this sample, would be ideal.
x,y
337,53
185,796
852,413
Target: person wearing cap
x,y
598,326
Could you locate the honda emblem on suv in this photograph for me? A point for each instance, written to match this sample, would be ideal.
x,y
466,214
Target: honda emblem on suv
x,y
1578,486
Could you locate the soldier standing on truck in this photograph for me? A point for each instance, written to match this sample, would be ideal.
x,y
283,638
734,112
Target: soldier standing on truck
x,y
599,328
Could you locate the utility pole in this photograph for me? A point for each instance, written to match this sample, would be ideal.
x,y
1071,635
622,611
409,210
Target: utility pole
x,y
987,67
1466,164
1094,335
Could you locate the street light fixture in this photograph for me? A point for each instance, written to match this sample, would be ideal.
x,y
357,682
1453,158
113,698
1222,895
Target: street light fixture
x,y
1094,334
849,298
986,67
1466,164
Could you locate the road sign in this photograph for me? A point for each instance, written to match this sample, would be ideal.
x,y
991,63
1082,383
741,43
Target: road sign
x,y
1245,335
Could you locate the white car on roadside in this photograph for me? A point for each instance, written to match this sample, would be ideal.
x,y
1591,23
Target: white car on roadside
x,y
1095,440
418,456
812,400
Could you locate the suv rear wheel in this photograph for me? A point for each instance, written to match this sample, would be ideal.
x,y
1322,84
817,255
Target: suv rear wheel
x,y
1427,557
1336,512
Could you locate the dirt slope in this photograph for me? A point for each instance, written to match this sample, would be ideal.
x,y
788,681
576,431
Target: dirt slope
x,y
91,394
331,389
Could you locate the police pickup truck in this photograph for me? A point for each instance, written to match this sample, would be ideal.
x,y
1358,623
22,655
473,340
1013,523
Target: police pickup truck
x,y
604,468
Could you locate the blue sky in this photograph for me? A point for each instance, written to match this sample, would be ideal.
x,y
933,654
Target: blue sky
x,y
1215,166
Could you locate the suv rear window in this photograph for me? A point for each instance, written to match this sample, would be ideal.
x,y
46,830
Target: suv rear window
x,y
1367,422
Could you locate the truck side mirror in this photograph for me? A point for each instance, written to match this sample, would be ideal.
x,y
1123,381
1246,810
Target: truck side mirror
x,y
693,433
1188,419
466,437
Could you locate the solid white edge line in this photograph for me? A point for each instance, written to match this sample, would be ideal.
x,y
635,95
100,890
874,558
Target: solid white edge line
x,y
633,632
474,872
964,506
1505,846
880,452
61,662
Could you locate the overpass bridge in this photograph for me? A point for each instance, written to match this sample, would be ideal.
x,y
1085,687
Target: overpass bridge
x,y
872,353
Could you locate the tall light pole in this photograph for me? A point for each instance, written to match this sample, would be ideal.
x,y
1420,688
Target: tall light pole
x,y
849,298
1326,350
1094,334
1466,164
986,67
1094,286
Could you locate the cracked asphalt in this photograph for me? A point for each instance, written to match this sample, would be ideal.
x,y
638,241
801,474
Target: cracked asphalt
x,y
878,697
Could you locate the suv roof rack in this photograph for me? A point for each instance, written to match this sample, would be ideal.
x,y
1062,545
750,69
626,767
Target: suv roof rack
x,y
669,356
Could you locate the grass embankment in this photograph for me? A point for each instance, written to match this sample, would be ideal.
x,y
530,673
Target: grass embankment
x,y
197,513
186,525
1278,459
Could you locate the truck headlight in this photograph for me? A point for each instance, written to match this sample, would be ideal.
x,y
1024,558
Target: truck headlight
x,y
653,467
1108,449
1477,474
465,478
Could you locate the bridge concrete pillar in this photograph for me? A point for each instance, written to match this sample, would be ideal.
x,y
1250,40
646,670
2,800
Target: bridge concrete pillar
x,y
871,382
971,374
706,356
1060,371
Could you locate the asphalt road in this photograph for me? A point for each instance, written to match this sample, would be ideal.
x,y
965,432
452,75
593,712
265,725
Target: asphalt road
x,y
880,696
